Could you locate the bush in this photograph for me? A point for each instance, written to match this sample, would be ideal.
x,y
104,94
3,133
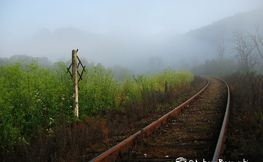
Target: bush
x,y
33,98
29,95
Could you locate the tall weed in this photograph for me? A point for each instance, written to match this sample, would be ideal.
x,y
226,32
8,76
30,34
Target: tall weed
x,y
33,98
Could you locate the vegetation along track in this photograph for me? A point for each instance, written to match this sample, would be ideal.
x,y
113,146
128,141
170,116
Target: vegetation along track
x,y
191,131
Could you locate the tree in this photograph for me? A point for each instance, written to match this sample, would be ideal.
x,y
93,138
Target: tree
x,y
257,39
245,50
221,49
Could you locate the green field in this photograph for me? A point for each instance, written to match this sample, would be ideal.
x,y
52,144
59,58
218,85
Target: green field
x,y
33,98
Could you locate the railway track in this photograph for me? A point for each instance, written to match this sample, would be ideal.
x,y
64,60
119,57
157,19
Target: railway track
x,y
194,130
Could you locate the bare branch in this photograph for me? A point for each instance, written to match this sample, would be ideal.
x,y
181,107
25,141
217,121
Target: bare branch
x,y
221,49
244,48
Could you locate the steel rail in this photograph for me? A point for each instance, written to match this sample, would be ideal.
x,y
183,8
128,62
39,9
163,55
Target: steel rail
x,y
121,148
220,146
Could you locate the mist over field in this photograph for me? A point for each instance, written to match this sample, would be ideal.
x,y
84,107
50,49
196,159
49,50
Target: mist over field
x,y
142,36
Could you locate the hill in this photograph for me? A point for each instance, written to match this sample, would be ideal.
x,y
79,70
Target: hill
x,y
201,43
137,51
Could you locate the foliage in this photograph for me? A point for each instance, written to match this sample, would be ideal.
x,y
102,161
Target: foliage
x,y
215,67
97,90
100,91
42,61
32,97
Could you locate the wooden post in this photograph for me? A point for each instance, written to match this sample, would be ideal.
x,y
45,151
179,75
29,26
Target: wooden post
x,y
75,81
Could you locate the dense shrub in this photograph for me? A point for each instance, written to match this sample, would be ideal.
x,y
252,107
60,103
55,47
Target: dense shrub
x,y
33,98
28,96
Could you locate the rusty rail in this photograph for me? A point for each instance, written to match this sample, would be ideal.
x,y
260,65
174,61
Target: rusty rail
x,y
121,149
222,137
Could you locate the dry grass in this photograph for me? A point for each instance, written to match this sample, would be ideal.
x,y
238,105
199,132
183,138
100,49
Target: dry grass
x,y
245,138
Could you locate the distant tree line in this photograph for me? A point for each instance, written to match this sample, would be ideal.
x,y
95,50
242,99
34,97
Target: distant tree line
x,y
148,66
42,61
248,56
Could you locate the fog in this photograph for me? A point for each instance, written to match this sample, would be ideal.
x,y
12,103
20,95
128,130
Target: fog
x,y
135,34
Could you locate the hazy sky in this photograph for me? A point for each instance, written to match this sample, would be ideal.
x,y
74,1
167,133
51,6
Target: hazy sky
x,y
20,19
24,17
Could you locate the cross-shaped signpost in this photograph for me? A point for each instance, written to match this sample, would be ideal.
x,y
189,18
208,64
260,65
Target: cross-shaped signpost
x,y
74,76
